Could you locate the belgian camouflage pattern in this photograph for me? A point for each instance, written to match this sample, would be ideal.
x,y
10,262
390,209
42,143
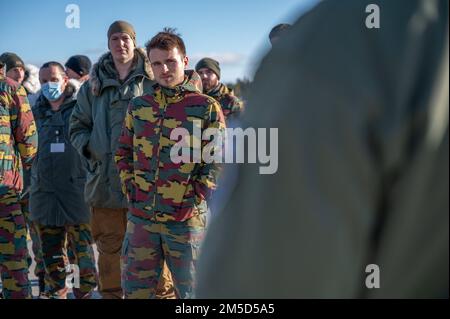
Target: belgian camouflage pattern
x,y
148,244
156,187
35,240
231,104
53,239
13,248
18,137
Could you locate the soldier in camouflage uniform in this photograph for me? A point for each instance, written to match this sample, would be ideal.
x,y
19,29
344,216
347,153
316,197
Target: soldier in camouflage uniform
x,y
168,201
15,68
209,71
57,189
18,147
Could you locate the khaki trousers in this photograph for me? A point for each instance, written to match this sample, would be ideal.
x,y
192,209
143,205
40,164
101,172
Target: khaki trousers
x,y
108,231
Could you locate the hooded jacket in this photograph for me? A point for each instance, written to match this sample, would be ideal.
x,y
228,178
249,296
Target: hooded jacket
x,y
158,188
231,104
97,120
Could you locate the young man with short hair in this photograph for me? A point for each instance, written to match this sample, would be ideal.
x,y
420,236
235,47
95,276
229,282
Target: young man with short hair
x,y
167,216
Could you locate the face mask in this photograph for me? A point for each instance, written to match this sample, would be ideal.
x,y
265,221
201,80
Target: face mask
x,y
52,90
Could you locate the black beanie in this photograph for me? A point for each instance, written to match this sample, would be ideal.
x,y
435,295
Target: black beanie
x,y
209,63
80,64
11,60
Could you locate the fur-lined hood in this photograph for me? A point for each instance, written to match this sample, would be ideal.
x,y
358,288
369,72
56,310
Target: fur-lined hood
x,y
104,73
31,83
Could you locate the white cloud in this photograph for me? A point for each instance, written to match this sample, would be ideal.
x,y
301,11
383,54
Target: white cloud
x,y
95,51
224,58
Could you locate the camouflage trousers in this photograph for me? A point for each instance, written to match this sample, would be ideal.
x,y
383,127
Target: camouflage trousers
x,y
83,271
39,270
149,244
36,246
13,248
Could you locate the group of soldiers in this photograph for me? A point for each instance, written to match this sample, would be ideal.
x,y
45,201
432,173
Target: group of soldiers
x,y
357,209
93,152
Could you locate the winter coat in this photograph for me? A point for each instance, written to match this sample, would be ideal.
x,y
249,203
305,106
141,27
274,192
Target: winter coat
x,y
97,121
156,186
57,175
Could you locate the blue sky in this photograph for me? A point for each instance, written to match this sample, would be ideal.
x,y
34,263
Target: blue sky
x,y
234,31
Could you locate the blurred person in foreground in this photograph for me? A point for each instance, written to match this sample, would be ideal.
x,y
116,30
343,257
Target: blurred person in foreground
x,y
363,163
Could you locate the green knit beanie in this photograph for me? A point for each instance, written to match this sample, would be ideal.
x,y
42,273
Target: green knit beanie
x,y
209,63
122,26
11,60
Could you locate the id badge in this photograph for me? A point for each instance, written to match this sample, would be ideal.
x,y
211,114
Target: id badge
x,y
57,148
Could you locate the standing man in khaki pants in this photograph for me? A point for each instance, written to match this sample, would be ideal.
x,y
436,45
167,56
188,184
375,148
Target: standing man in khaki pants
x,y
95,126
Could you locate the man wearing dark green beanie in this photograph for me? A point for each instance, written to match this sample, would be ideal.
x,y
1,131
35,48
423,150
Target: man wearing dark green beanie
x,y
209,71
120,75
15,68
122,27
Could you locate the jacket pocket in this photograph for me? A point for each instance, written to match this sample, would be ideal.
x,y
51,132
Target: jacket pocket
x,y
78,181
90,165
131,191
190,198
200,202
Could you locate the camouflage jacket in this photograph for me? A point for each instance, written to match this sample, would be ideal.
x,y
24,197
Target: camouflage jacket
x,y
231,104
156,187
18,137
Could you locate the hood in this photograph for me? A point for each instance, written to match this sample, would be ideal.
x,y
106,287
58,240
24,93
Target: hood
x,y
219,90
104,73
31,82
192,83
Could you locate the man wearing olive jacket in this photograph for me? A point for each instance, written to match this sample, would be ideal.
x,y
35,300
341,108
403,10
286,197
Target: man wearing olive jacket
x,y
96,122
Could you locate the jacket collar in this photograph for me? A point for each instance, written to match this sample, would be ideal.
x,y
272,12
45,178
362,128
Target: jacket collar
x,y
219,90
104,73
192,83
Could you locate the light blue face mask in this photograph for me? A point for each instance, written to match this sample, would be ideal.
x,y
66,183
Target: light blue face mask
x,y
52,90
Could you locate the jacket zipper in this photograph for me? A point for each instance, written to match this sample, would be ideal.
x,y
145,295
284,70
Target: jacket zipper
x,y
161,121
